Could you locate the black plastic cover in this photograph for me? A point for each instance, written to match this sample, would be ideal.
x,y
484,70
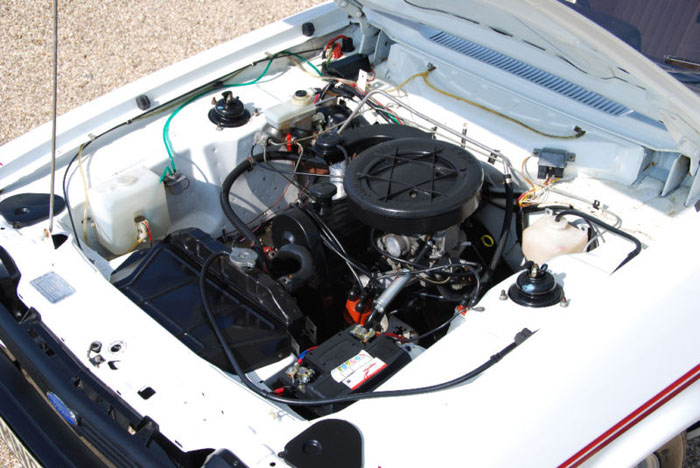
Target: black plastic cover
x,y
295,226
413,185
328,443
254,311
26,209
348,67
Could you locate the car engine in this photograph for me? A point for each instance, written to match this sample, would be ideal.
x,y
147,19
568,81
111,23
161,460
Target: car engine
x,y
363,269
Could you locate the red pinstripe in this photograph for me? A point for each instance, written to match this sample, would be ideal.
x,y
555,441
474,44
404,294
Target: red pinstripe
x,y
633,418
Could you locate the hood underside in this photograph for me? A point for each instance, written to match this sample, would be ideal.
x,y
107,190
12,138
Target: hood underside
x,y
560,41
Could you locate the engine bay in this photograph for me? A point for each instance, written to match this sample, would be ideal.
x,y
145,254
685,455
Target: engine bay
x,y
312,223
367,267
286,248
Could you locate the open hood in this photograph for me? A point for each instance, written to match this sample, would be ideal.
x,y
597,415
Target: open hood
x,y
567,44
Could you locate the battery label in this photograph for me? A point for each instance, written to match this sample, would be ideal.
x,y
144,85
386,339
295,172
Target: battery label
x,y
357,370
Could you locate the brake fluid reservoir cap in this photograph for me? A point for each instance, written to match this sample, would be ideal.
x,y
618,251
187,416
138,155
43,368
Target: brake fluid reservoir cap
x,y
302,97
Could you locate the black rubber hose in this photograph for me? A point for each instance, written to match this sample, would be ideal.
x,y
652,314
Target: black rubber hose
x,y
237,171
519,225
325,90
305,271
555,208
352,92
340,399
608,227
346,156
505,231
416,339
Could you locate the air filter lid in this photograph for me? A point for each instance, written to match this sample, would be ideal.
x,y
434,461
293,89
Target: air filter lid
x,y
413,185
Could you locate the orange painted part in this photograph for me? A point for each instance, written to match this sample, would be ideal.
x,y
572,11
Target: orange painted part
x,y
352,315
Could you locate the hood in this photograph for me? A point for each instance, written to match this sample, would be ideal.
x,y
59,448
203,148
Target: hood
x,y
577,48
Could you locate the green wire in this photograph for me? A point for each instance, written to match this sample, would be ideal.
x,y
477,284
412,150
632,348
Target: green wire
x,y
166,128
306,61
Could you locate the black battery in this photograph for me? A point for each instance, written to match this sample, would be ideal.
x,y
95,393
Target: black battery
x,y
342,365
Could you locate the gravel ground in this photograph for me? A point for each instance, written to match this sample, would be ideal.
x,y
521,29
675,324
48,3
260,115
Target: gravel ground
x,y
692,455
7,460
106,44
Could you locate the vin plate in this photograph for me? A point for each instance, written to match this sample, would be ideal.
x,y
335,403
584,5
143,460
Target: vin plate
x,y
52,287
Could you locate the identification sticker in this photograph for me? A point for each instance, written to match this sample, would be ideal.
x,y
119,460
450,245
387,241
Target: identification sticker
x,y
52,287
357,370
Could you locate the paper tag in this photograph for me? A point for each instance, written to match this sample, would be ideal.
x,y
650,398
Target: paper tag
x,y
362,80
357,370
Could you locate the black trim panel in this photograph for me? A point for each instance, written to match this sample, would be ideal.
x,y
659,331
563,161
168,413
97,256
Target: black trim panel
x,y
103,418
39,428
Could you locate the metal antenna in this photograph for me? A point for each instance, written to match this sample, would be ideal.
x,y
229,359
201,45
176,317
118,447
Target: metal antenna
x,y
53,113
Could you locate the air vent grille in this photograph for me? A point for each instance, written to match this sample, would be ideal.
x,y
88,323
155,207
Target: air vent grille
x,y
530,73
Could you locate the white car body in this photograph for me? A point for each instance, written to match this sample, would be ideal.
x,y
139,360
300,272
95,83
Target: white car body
x,y
603,382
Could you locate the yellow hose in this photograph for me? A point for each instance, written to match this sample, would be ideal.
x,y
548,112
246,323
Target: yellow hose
x,y
579,132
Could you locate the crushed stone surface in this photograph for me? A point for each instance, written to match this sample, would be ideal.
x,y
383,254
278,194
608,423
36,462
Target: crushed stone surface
x,y
106,44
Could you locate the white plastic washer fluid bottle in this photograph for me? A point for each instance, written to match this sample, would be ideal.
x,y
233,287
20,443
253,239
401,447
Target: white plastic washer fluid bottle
x,y
115,203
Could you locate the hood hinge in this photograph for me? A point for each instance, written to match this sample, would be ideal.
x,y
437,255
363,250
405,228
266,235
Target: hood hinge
x,y
352,7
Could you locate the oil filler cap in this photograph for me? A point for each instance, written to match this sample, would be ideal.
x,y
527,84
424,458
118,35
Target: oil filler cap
x,y
229,111
536,287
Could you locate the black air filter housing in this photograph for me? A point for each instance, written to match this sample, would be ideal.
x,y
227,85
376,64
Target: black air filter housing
x,y
413,185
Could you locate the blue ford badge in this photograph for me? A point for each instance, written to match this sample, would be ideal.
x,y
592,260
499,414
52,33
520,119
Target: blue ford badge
x,y
62,409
